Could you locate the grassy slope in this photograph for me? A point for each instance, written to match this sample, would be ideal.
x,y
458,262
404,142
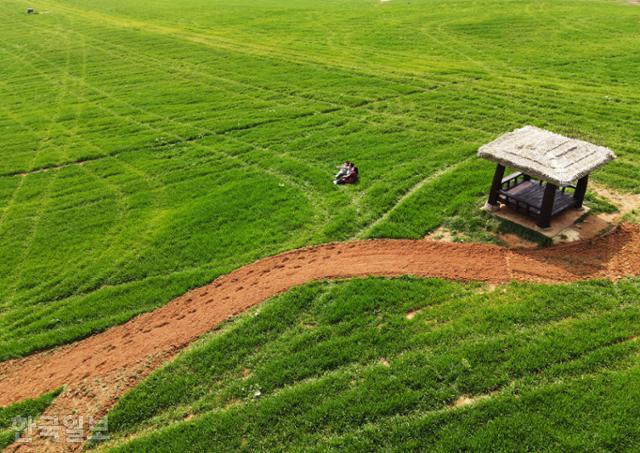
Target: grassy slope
x,y
335,365
188,138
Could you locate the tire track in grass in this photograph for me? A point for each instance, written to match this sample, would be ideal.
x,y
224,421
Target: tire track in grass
x,y
368,105
155,218
46,136
97,281
223,133
137,108
261,50
128,23
216,41
409,193
45,198
363,105
108,238
416,87
119,194
162,67
315,201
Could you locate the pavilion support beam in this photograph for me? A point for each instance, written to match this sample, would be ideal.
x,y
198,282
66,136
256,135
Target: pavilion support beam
x,y
581,190
547,205
495,186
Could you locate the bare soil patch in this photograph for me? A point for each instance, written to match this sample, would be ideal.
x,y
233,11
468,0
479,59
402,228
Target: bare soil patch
x,y
463,400
468,400
514,241
440,234
411,314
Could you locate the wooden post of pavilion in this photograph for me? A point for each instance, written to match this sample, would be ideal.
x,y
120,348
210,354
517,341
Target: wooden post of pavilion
x,y
495,186
546,210
581,190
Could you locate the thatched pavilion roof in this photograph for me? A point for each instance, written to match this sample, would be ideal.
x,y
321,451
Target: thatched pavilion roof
x,y
545,155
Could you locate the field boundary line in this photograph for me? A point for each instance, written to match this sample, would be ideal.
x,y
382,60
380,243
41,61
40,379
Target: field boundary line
x,y
408,194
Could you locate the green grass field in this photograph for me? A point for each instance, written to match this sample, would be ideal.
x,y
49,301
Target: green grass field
x,y
149,147
186,139
339,366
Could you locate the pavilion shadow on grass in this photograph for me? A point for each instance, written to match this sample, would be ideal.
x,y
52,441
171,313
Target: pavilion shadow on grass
x,y
551,176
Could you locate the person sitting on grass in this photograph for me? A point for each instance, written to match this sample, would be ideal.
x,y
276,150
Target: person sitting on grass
x,y
343,170
350,176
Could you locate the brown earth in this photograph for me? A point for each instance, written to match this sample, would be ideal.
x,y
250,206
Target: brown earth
x,y
97,370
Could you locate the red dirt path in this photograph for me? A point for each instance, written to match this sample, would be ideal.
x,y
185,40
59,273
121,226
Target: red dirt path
x,y
97,370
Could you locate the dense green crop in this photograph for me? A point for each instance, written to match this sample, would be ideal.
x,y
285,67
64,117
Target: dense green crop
x,y
378,363
148,147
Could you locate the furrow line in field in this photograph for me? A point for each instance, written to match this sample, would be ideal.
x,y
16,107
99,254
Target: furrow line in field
x,y
503,391
17,271
315,201
222,42
419,185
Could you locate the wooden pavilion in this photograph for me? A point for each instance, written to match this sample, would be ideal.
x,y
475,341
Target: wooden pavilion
x,y
551,175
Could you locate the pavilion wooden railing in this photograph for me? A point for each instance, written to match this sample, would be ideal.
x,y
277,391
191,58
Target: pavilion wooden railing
x,y
543,202
510,182
514,180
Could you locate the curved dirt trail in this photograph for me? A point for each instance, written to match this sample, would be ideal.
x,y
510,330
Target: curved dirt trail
x,y
97,370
